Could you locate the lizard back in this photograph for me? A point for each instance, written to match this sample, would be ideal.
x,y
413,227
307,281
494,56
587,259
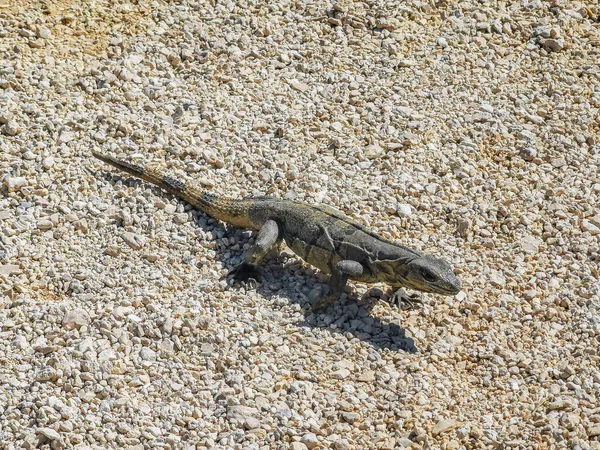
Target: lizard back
x,y
323,236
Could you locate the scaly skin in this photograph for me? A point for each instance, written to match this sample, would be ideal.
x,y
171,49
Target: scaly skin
x,y
320,235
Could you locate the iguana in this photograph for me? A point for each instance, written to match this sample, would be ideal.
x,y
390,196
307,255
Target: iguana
x,y
320,235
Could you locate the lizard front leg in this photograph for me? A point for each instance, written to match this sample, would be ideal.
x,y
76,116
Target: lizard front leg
x,y
339,277
400,297
268,236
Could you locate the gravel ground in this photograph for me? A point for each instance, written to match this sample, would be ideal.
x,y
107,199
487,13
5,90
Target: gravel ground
x,y
469,130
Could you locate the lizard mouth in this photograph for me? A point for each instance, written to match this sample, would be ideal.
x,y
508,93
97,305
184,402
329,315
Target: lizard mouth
x,y
447,289
442,291
451,291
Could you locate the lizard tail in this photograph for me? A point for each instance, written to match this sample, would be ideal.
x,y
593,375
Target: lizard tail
x,y
228,210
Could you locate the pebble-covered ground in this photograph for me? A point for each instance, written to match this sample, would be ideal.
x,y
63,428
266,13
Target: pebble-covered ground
x,y
468,130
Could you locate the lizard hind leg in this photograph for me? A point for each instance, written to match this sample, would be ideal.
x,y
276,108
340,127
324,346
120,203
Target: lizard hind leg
x,y
339,277
268,236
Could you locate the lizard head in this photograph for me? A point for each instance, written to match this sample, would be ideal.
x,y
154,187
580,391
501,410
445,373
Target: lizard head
x,y
424,273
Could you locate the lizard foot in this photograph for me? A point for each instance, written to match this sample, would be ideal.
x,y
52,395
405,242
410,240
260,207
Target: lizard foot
x,y
401,299
244,274
323,303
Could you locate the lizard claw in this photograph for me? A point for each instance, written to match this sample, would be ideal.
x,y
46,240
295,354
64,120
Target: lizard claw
x,y
400,298
242,275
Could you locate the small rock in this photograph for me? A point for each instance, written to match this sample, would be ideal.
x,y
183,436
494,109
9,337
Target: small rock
x,y
310,440
341,374
7,269
569,420
107,355
251,423
114,41
404,210
48,162
20,341
497,279
526,135
44,349
394,146
207,349
152,257
558,162
241,413
464,227
292,174
5,116
350,417
528,153
170,209
594,430
284,413
81,225
595,220
410,139
147,354
299,86
554,45
112,250
75,318
174,59
298,446
560,404
44,32
37,43
181,218
260,125
67,426
373,151
367,377
15,183
442,42
65,136
44,224
406,63
46,374
49,433
26,33
387,443
530,244
342,444
139,380
444,425
588,226
167,347
134,241
11,128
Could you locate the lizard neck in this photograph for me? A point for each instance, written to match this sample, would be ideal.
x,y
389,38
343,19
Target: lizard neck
x,y
389,262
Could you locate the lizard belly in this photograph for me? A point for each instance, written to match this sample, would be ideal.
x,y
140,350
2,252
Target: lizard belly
x,y
323,259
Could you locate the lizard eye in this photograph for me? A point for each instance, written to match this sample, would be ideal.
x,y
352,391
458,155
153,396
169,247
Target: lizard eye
x,y
428,276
